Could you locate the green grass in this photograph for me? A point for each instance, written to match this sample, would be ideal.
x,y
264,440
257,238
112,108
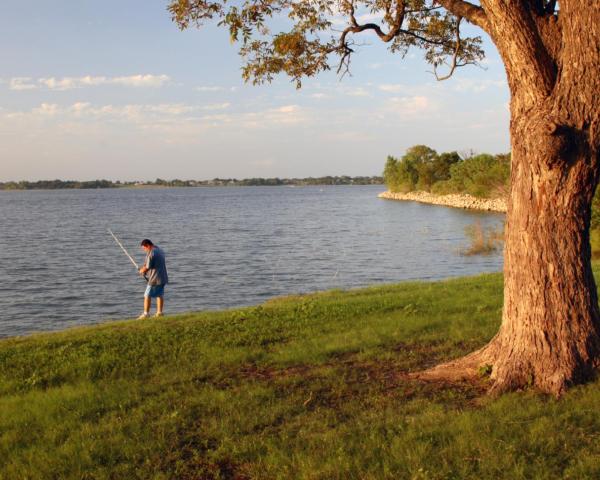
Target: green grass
x,y
307,387
595,241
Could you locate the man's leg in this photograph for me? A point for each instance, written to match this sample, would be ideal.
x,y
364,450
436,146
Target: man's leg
x,y
147,304
160,302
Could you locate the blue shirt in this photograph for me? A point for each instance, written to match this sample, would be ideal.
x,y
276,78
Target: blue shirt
x,y
157,267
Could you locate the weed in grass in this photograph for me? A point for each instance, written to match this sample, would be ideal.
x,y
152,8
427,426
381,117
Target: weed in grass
x,y
595,240
485,370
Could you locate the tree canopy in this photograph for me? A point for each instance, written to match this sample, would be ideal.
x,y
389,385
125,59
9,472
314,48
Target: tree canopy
x,y
305,40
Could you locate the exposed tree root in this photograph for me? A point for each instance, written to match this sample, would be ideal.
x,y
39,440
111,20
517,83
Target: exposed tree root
x,y
506,373
470,367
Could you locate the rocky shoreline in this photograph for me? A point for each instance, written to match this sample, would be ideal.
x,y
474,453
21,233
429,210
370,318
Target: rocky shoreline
x,y
457,200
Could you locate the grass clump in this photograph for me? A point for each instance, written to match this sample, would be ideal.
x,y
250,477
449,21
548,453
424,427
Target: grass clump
x,y
303,387
483,240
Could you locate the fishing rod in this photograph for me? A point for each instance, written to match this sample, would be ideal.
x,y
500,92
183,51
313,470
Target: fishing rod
x,y
125,250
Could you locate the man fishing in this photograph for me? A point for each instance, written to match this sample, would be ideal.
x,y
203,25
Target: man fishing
x,y
155,270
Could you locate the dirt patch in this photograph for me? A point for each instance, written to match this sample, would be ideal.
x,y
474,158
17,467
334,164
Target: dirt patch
x,y
347,378
188,459
350,377
260,372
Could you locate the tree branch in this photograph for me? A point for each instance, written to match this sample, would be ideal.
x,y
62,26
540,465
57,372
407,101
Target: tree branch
x,y
453,63
463,9
395,19
385,37
517,34
355,27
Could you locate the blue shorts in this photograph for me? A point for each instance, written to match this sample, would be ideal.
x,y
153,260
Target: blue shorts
x,y
154,291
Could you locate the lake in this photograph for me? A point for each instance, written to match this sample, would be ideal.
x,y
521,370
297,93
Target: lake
x,y
225,247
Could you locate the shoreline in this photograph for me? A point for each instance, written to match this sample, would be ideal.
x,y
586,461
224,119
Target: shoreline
x,y
148,187
456,200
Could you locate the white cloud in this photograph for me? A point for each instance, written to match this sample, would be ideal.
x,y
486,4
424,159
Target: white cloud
x,y
357,92
349,136
273,117
393,87
217,106
477,85
209,89
173,123
174,109
165,108
141,80
55,84
137,113
21,83
216,120
341,19
411,105
286,114
287,109
68,83
214,88
47,110
371,17
79,107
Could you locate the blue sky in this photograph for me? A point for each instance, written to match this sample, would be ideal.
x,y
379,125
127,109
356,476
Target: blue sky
x,y
114,90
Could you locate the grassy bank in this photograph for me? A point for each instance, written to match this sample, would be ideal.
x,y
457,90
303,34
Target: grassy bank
x,y
310,387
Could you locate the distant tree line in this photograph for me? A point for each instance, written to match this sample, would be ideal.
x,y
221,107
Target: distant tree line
x,y
327,180
215,182
57,184
422,168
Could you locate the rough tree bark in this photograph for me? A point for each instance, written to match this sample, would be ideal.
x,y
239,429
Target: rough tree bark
x,y
550,332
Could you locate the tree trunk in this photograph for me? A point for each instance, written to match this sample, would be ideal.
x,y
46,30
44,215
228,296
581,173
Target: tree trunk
x,y
550,332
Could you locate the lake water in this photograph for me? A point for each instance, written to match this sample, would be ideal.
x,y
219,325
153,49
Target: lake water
x,y
225,247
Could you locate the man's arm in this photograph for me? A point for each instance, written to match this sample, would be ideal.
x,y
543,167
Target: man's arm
x,y
147,263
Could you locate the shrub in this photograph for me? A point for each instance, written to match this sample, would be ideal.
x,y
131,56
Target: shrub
x,y
481,175
422,168
400,175
419,168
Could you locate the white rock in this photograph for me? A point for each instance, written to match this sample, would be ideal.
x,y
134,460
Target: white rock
x,y
462,200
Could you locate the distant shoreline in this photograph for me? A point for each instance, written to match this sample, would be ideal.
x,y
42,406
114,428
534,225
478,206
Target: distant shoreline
x,y
456,200
217,182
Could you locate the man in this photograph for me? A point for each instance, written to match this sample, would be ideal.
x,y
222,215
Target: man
x,y
155,269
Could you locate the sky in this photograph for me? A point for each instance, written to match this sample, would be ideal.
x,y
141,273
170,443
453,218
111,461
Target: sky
x,y
115,90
